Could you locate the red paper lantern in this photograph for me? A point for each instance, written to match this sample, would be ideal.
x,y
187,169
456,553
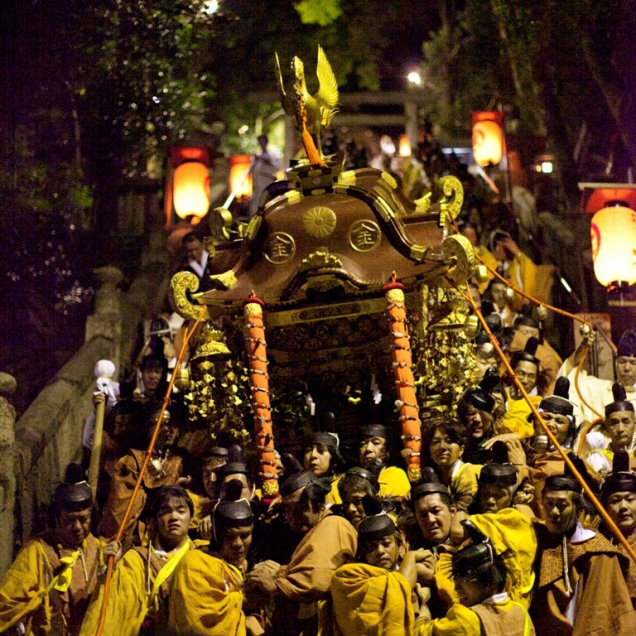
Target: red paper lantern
x,y
487,138
614,245
191,190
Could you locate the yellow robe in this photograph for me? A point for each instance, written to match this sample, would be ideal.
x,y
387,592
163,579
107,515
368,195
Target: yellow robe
x,y
392,480
464,621
513,536
206,597
372,601
128,601
464,485
516,418
533,279
23,597
489,260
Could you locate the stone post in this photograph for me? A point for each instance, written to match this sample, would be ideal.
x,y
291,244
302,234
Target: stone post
x,y
7,472
410,128
107,319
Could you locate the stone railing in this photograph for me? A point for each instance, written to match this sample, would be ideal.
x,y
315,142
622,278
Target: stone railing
x,y
7,470
49,434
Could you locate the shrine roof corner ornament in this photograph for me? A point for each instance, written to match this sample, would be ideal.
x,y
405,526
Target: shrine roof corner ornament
x,y
325,235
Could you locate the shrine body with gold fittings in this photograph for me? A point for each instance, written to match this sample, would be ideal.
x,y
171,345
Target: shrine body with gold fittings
x,y
319,254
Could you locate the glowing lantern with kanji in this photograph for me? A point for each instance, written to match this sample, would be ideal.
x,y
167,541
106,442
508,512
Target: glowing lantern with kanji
x,y
240,176
488,141
191,191
614,244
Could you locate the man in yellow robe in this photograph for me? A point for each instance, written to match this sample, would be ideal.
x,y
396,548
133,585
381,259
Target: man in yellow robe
x,y
511,534
48,588
374,597
373,456
484,608
164,469
526,327
526,367
328,542
355,484
443,444
138,596
206,592
517,267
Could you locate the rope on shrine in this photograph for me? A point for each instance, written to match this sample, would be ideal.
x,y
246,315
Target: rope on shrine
x,y
142,472
567,314
588,491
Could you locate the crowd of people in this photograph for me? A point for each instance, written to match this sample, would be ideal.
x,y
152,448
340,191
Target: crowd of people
x,y
496,537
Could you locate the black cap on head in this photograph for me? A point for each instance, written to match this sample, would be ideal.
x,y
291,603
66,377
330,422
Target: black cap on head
x,y
621,479
562,482
525,318
429,484
627,345
232,511
429,488
482,340
479,399
502,474
375,430
358,471
620,402
478,556
492,318
490,380
528,354
376,527
217,455
330,440
559,402
74,494
233,468
296,482
377,524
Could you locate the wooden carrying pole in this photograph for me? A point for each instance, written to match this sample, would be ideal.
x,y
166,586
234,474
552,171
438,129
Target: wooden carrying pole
x,y
142,472
404,380
588,491
96,449
259,386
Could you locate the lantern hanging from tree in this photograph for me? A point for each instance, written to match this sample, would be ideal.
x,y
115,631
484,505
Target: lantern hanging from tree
x,y
191,190
488,141
240,176
614,244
